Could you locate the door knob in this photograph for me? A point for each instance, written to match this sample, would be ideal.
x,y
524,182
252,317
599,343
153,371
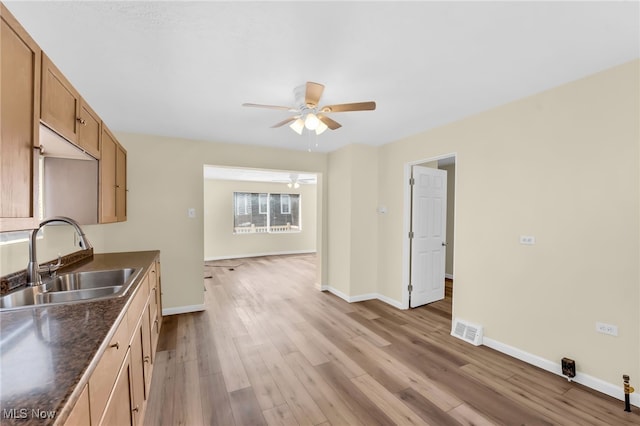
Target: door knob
x,y
444,244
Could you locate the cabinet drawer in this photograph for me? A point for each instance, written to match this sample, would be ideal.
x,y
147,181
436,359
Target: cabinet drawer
x,y
104,376
138,303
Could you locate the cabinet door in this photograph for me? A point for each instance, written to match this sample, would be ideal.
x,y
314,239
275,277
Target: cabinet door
x,y
107,201
121,183
119,410
80,415
102,380
147,353
20,63
89,130
137,376
60,101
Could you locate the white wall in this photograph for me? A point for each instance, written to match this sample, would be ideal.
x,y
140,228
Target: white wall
x,y
221,243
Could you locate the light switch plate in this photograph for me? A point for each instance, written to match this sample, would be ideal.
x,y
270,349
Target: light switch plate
x,y
604,328
528,240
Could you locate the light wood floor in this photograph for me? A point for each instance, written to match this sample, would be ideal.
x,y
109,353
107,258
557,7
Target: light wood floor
x,y
270,349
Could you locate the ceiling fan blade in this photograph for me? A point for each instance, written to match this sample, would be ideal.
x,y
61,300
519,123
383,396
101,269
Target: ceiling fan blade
x,y
284,108
313,93
332,124
283,122
356,106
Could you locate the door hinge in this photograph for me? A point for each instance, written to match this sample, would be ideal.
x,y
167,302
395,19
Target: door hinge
x,y
410,234
410,288
412,181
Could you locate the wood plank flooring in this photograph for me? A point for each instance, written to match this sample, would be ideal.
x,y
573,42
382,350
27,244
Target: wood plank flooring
x,y
272,350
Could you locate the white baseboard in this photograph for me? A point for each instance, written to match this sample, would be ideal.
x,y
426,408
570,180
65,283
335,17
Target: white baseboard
x,y
271,253
182,309
555,368
449,276
362,297
391,301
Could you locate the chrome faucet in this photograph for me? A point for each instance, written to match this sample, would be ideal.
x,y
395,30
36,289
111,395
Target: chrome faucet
x,y
33,269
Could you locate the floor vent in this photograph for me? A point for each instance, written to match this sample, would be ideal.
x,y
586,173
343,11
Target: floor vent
x,y
468,332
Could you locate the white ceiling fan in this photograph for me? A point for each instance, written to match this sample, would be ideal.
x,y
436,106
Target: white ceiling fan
x,y
307,112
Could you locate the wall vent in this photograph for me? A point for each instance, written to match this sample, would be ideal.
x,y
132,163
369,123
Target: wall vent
x,y
466,331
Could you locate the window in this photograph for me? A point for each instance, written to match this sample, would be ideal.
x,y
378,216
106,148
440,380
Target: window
x,y
266,213
263,200
242,204
285,204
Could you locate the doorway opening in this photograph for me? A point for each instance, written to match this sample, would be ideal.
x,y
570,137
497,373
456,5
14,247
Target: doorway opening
x,y
429,224
252,213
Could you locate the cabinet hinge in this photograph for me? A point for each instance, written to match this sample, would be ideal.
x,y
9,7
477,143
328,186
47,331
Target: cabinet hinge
x,y
410,234
412,181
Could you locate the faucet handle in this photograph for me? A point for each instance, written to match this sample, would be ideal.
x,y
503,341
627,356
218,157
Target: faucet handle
x,y
51,269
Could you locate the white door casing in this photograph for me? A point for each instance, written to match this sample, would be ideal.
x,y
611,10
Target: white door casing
x,y
428,224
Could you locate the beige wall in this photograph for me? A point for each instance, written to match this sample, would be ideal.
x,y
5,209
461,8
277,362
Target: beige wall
x,y
352,222
53,240
562,166
165,179
219,240
339,220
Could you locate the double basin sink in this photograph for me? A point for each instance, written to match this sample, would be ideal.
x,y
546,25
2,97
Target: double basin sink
x,y
72,287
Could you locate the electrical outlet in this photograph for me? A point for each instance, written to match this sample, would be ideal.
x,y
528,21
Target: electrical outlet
x,y
527,240
568,367
607,328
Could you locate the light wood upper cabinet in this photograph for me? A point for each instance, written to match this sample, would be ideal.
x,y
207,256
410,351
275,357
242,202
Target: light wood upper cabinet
x,y
20,59
60,102
89,130
66,112
113,179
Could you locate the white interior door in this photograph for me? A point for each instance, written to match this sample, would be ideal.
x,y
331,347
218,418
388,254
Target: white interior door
x,y
428,245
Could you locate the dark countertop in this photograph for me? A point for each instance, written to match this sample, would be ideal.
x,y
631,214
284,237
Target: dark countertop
x,y
47,353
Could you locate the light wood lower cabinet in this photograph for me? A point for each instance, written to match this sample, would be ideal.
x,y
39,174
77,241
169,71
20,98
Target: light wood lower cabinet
x,y
118,388
119,411
80,415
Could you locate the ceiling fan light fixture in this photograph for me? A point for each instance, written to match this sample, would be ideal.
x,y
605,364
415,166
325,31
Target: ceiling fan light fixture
x,y
311,121
297,126
321,128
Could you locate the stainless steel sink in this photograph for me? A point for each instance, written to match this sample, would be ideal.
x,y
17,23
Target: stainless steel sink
x,y
70,296
72,287
88,280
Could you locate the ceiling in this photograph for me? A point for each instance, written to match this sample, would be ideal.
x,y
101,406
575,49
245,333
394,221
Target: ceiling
x,y
183,69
